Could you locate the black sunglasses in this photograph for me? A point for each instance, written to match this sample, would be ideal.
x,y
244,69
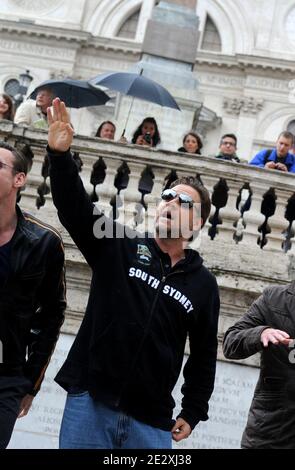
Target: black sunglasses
x,y
184,199
2,165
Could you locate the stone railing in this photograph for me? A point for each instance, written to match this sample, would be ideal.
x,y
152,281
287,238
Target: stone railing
x,y
247,241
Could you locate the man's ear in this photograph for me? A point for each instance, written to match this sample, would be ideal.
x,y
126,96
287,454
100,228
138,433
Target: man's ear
x,y
20,180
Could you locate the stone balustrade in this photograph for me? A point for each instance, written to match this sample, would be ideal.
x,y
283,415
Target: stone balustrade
x,y
247,242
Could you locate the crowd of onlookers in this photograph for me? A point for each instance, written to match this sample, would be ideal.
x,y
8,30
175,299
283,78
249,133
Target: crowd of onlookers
x,y
34,113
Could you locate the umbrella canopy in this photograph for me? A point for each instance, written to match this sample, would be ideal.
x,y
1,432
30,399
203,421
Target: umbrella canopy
x,y
74,93
137,86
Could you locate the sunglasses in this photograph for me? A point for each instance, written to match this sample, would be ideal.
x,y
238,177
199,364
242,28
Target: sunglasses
x,y
184,199
2,165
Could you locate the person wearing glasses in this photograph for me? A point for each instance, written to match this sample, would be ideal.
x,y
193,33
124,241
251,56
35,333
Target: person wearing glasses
x,y
228,148
148,293
32,295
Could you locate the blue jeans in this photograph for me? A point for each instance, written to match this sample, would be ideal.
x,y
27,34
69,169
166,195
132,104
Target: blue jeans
x,y
88,424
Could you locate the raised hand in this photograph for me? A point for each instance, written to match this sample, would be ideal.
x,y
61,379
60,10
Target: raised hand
x,y
60,131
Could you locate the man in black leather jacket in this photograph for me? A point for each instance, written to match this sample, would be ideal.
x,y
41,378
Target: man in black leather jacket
x,y
32,295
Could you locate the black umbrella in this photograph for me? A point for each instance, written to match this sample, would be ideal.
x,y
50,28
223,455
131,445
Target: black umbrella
x,y
74,93
136,85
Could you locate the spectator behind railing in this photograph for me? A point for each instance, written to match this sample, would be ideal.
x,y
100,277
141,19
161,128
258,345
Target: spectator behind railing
x,y
147,133
279,158
192,143
6,107
34,113
228,148
106,130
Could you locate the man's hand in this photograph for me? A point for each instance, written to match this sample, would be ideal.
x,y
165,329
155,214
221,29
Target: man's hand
x,y
270,165
281,167
181,430
60,132
25,405
270,335
141,141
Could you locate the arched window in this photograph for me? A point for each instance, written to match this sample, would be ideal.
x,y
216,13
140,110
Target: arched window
x,y
291,127
211,38
129,27
11,87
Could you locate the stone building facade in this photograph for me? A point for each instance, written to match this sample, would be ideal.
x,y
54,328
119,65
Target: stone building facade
x,y
241,81
244,61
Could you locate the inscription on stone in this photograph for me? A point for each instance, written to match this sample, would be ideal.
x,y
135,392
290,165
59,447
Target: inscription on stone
x,y
229,405
39,50
40,428
228,411
221,80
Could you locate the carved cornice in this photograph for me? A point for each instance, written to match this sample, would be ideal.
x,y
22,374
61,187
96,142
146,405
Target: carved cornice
x,y
114,44
245,105
80,38
243,62
49,32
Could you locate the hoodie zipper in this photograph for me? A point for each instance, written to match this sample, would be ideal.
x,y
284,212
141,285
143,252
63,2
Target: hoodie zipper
x,y
159,290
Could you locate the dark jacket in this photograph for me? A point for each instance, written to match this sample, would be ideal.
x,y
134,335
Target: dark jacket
x,y
129,350
182,149
271,420
32,300
230,158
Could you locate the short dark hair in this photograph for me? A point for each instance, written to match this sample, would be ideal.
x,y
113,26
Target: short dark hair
x,y
101,126
231,136
198,139
138,132
287,135
201,190
22,158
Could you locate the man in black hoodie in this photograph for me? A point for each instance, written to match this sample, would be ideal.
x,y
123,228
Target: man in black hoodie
x,y
147,295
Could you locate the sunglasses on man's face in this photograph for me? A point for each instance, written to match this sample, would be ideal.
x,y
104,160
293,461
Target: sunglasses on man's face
x,y
3,165
184,199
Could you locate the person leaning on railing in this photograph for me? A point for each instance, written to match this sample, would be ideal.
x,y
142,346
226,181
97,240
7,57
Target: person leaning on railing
x,y
279,158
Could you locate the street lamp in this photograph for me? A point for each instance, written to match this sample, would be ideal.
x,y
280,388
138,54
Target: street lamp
x,y
24,83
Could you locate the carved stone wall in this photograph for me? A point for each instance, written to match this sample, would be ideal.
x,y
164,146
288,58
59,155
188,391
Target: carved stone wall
x,y
77,39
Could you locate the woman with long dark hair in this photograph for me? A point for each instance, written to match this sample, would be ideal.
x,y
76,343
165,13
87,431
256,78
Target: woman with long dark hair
x,y
147,133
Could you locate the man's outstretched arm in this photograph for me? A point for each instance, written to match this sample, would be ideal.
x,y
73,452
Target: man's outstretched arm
x,y
74,206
